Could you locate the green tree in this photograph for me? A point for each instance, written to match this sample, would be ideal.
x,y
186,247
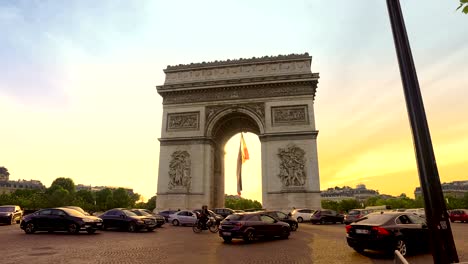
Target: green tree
x,y
104,199
239,203
65,183
4,173
121,198
463,6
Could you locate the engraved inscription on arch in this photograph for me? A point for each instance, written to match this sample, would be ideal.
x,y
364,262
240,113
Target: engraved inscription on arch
x,y
289,115
183,121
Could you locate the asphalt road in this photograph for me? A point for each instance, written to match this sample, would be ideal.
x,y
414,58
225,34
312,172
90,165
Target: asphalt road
x,y
310,244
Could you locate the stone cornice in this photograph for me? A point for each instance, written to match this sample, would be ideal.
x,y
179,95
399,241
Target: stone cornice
x,y
185,141
239,81
241,61
237,92
289,135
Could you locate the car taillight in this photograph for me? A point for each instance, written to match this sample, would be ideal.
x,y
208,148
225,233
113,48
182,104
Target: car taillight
x,y
348,228
239,224
381,231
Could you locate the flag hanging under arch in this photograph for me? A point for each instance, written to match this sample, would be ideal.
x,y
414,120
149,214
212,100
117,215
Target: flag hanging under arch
x,y
241,158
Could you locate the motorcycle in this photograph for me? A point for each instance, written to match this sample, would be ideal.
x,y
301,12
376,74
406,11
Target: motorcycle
x,y
210,225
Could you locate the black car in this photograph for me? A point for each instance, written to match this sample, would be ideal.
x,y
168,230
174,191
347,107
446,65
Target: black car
x,y
224,212
166,214
326,216
10,214
287,218
250,226
126,219
389,231
60,219
144,212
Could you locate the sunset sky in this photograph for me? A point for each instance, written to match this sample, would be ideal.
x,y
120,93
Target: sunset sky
x,y
78,96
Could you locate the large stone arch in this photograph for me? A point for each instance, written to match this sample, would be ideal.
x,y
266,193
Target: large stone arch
x,y
205,104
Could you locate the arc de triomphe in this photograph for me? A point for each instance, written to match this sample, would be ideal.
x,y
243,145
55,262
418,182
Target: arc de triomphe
x,y
205,104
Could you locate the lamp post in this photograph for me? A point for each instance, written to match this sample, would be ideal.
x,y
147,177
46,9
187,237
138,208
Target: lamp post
x,y
441,239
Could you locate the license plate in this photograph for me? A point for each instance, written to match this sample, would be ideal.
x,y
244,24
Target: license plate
x,y
362,231
226,233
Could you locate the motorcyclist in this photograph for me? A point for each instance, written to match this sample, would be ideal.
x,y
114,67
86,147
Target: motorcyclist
x,y
204,216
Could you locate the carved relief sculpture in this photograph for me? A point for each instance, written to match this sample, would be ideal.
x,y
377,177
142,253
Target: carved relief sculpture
x,y
289,115
257,108
179,170
183,121
292,166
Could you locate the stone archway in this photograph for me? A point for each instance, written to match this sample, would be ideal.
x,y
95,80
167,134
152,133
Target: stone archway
x,y
205,104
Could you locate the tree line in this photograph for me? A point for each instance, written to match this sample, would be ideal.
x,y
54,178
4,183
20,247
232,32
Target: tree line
x,y
400,202
62,192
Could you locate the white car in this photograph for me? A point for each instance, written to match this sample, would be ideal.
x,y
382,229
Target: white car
x,y
183,218
417,211
302,215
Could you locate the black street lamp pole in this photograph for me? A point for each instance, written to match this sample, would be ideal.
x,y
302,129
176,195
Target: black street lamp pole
x,y
441,239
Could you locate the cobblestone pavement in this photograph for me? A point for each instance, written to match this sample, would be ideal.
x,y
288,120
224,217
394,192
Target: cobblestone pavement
x,y
310,244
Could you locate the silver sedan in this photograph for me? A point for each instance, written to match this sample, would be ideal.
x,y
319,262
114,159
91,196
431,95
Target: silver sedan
x,y
183,218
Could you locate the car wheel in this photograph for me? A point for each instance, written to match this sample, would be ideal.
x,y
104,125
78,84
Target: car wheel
x,y
300,219
451,220
358,249
103,227
91,231
30,228
285,233
402,247
131,227
227,239
322,221
175,222
249,236
293,226
73,228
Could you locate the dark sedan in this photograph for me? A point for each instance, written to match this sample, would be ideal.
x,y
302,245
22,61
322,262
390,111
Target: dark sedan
x,y
60,219
250,226
144,212
389,231
126,219
287,218
326,216
10,214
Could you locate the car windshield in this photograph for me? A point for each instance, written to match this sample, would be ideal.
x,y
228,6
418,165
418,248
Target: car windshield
x,y
7,209
354,212
141,212
73,212
129,213
235,217
376,219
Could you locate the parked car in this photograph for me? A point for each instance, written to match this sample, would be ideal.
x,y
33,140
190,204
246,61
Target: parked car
x,y
60,219
218,218
125,219
166,214
183,217
224,212
389,231
459,215
79,209
417,211
287,218
302,215
326,216
10,214
355,215
250,226
144,212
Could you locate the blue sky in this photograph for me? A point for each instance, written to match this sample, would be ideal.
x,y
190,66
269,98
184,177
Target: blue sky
x,y
78,98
